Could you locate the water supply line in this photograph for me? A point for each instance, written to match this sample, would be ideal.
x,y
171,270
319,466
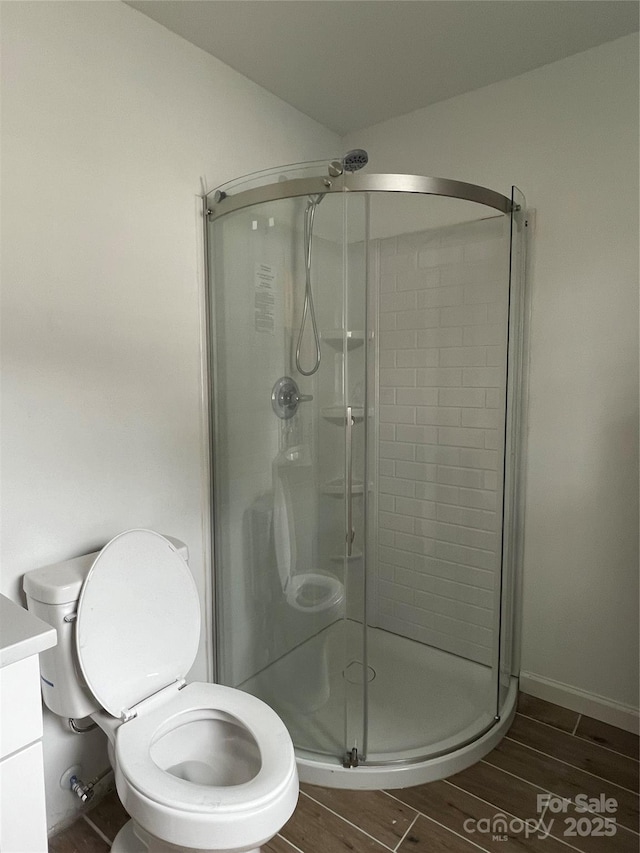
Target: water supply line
x,y
83,790
80,730
352,161
309,216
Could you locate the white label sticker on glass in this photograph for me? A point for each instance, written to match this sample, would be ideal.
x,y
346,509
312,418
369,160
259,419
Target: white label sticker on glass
x,y
265,299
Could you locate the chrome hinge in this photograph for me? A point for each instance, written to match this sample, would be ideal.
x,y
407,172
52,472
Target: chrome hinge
x,y
351,758
131,713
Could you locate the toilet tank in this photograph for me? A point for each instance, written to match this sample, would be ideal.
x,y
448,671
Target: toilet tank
x,y
52,594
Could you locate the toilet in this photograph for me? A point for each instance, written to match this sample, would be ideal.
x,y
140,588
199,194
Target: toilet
x,y
198,766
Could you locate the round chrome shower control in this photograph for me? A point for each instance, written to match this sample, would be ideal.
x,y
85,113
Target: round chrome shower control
x,y
286,397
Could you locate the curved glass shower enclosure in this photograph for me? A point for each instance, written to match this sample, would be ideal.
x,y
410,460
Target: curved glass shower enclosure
x,y
365,335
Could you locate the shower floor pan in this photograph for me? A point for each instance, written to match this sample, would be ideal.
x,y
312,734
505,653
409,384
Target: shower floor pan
x,y
428,713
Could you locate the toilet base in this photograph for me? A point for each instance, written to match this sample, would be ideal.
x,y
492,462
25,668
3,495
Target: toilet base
x,y
126,841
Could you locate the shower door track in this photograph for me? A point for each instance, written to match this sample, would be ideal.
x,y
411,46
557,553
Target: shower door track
x,y
222,203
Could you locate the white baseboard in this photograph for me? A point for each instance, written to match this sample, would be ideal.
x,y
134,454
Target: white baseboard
x,y
590,704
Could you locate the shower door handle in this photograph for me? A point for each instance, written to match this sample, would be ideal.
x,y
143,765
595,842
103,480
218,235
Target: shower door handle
x,y
349,484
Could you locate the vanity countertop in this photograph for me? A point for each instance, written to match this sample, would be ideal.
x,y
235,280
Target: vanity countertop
x,y
21,633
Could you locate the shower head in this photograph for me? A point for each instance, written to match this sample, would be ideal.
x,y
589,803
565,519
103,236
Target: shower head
x,y
355,159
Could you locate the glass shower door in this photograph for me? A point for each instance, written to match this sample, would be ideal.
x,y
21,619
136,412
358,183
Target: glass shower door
x,y
439,300
288,473
338,279
357,673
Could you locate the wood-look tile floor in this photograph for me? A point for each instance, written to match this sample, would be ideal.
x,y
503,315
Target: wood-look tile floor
x,y
548,750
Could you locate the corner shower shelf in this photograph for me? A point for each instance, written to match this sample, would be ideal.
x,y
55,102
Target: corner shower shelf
x,y
336,488
336,338
337,414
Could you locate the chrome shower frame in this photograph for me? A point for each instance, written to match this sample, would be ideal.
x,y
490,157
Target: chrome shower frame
x,y
358,182
217,205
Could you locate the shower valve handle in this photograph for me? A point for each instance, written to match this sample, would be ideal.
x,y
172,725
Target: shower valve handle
x,y
301,398
286,397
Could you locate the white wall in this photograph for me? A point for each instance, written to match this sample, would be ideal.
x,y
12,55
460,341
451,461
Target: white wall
x,y
109,121
567,134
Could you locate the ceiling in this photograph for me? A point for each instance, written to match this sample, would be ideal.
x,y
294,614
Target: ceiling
x,y
352,63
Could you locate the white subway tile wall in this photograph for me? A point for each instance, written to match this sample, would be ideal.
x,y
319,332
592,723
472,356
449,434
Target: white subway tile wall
x,y
442,355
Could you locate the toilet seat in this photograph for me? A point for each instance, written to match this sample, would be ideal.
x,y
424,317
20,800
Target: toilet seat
x,y
138,622
312,592
136,737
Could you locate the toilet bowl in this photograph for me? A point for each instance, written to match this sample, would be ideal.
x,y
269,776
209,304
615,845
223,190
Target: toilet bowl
x,y
204,765
198,766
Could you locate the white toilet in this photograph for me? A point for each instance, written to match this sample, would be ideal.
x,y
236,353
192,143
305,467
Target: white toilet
x,y
198,766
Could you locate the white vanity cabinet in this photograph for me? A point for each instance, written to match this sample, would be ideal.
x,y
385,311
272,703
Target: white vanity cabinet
x,y
23,820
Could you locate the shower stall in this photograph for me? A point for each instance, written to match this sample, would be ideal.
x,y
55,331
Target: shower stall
x,y
365,351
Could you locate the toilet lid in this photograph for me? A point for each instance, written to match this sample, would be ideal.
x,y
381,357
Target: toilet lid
x,y
138,624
